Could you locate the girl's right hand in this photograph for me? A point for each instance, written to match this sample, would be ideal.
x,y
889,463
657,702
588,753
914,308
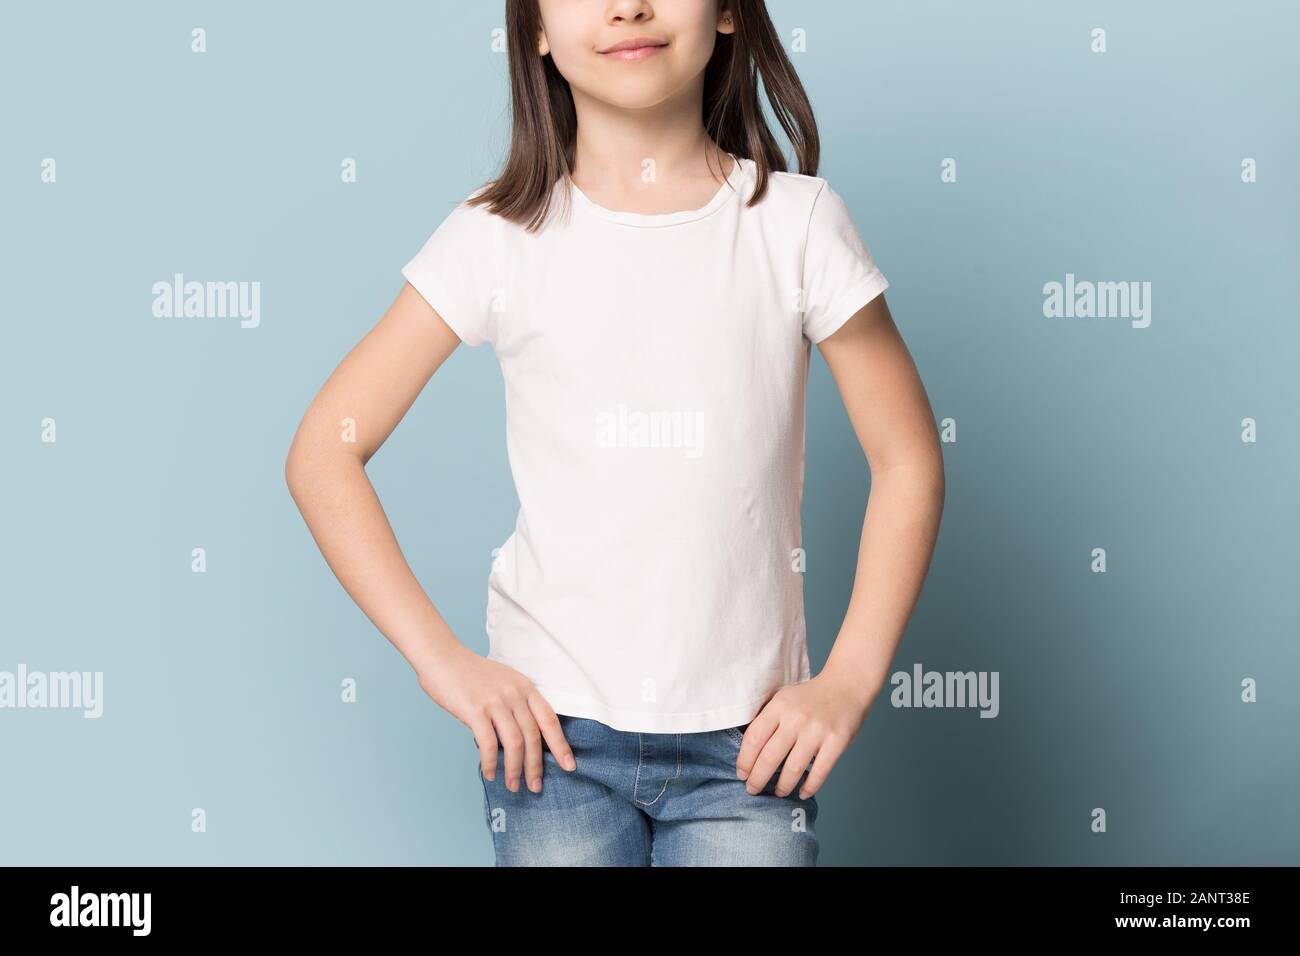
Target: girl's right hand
x,y
503,709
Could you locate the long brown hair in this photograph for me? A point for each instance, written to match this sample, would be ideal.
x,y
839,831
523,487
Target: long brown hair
x,y
544,124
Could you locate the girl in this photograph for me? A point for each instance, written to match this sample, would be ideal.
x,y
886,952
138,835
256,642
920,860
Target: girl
x,y
651,280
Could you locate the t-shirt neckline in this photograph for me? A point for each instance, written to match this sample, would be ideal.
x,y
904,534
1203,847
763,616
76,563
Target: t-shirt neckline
x,y
729,189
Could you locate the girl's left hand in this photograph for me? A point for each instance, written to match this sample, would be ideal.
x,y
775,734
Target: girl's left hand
x,y
818,718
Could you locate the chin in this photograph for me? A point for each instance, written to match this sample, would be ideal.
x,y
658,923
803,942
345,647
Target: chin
x,y
636,94
637,101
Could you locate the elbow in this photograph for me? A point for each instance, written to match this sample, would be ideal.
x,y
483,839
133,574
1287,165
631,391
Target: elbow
x,y
935,477
300,469
293,472
919,469
307,468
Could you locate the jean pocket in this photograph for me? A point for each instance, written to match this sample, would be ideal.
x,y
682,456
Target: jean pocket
x,y
735,734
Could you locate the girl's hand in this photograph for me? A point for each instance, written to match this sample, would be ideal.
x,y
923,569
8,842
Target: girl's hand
x,y
501,707
817,718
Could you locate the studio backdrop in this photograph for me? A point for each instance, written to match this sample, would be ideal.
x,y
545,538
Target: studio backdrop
x,y
1090,218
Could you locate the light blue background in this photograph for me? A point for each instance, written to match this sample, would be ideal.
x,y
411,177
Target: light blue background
x,y
1118,690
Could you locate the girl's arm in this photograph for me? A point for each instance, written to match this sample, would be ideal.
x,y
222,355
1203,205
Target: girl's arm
x,y
891,415
372,388
887,404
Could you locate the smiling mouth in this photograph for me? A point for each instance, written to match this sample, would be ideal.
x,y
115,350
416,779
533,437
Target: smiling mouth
x,y
634,50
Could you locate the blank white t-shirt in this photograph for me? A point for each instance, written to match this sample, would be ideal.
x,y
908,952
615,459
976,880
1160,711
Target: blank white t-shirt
x,y
655,368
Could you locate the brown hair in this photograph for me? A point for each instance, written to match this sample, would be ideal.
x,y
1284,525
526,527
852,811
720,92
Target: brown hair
x,y
544,124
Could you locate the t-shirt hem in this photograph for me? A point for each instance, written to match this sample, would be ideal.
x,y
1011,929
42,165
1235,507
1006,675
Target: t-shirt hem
x,y
651,721
847,306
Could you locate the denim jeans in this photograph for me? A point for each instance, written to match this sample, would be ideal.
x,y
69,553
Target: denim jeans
x,y
647,800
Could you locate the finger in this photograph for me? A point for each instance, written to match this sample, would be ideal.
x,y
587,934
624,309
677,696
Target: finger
x,y
486,739
801,754
830,752
552,732
512,742
532,746
758,733
769,758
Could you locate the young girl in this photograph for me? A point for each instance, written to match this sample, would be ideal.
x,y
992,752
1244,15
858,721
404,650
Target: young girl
x,y
651,279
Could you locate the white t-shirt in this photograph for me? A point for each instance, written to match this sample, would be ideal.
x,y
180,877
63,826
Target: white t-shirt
x,y
655,368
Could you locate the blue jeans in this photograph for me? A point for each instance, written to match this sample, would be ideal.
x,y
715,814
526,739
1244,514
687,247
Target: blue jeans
x,y
647,800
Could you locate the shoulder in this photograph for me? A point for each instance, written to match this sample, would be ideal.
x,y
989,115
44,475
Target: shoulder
x,y
475,216
794,196
825,211
463,224
797,184
797,187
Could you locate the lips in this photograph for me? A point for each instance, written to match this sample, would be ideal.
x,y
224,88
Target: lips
x,y
637,48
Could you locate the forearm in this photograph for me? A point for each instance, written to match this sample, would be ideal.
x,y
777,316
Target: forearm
x,y
898,535
343,512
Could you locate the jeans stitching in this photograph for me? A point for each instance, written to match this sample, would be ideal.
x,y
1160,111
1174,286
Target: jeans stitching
x,y
664,788
487,811
640,756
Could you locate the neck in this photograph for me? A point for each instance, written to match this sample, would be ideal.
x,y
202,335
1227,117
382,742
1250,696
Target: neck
x,y
627,152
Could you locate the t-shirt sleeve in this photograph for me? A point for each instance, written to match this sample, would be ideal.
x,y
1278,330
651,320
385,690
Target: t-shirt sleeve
x,y
455,272
839,274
